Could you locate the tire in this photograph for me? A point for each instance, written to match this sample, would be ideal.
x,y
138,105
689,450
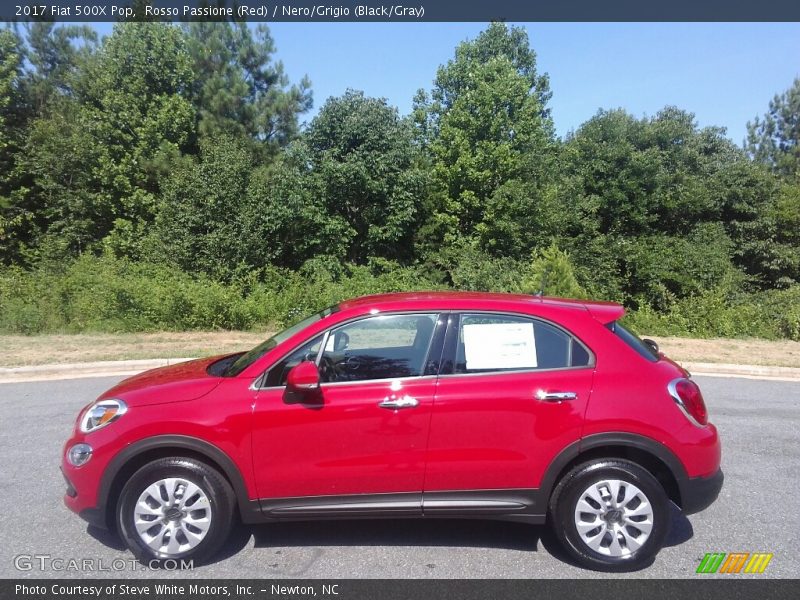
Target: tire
x,y
603,531
190,504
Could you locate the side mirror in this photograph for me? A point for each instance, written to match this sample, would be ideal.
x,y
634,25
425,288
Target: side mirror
x,y
652,343
303,378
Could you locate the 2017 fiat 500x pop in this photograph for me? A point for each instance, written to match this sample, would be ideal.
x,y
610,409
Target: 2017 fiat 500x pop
x,y
439,404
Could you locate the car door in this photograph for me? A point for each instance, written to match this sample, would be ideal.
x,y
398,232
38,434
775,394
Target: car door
x,y
364,433
512,394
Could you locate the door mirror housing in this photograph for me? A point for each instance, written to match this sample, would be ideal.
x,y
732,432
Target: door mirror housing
x,y
304,377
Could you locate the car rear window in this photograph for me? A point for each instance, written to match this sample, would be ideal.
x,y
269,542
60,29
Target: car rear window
x,y
633,340
495,342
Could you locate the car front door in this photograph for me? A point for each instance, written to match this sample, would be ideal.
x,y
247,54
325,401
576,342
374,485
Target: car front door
x,y
359,442
512,394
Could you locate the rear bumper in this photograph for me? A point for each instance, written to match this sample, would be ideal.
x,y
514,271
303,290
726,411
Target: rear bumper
x,y
698,493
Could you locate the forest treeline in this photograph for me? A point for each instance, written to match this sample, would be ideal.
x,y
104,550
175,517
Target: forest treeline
x,y
163,178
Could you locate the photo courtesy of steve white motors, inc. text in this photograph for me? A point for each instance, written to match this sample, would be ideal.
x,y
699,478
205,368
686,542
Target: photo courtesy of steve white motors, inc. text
x,y
172,589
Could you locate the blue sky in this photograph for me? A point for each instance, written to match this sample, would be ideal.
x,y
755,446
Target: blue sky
x,y
725,73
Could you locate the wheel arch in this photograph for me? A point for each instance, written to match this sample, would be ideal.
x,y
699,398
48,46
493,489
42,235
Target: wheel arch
x,y
135,456
646,452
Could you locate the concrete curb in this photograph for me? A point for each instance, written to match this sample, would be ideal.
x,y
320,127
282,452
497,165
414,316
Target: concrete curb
x,y
118,368
104,368
746,371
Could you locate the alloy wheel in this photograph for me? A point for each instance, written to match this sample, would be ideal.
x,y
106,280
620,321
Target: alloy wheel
x,y
613,517
172,516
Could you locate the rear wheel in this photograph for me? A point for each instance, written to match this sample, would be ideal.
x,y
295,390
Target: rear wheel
x,y
610,515
175,508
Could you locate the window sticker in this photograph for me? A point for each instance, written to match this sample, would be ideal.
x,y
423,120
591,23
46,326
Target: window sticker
x,y
499,346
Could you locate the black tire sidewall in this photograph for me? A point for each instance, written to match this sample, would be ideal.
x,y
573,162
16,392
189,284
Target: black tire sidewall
x,y
215,487
568,494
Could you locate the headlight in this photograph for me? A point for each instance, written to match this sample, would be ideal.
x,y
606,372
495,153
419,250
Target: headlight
x,y
101,414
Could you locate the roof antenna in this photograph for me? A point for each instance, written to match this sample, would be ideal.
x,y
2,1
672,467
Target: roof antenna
x,y
541,290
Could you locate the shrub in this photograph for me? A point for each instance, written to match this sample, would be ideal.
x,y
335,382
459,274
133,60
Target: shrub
x,y
772,314
114,295
108,294
552,274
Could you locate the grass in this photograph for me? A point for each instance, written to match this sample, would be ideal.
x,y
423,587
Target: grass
x,y
780,353
20,350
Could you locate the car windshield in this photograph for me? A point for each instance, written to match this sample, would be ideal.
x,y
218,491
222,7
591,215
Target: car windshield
x,y
248,358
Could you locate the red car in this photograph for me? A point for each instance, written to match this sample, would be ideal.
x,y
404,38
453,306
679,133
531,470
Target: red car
x,y
431,404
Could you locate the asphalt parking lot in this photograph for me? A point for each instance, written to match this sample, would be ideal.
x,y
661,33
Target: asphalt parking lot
x,y
758,509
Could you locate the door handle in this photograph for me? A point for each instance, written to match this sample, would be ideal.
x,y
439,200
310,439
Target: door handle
x,y
395,403
555,396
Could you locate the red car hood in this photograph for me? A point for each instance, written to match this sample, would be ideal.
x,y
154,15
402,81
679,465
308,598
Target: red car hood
x,y
174,383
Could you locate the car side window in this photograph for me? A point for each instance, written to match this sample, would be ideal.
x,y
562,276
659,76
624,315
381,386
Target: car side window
x,y
276,376
488,343
379,347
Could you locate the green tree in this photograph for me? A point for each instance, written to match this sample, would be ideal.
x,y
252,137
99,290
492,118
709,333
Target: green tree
x,y
747,193
197,227
286,221
222,215
97,156
56,54
551,273
239,89
785,214
638,195
486,124
11,101
775,138
12,117
365,157
637,175
48,68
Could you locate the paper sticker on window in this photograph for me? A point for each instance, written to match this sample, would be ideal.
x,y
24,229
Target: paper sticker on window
x,y
499,346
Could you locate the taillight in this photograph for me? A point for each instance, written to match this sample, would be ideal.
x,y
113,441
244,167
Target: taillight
x,y
688,397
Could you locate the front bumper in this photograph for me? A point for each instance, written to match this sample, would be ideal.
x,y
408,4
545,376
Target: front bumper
x,y
82,485
93,516
698,493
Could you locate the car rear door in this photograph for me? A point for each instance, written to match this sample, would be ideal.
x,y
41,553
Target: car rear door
x,y
512,394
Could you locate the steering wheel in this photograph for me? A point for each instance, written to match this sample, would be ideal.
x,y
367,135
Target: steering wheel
x,y
327,369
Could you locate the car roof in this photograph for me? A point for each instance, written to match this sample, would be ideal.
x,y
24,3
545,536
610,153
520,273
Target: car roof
x,y
605,312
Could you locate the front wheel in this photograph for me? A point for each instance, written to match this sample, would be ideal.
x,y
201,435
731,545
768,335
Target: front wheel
x,y
610,515
175,509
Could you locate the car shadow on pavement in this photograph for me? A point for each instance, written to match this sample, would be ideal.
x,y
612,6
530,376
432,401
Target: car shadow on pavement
x,y
106,537
400,532
680,529
418,532
468,533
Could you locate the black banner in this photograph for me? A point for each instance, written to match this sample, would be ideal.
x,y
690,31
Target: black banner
x,y
382,589
405,10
